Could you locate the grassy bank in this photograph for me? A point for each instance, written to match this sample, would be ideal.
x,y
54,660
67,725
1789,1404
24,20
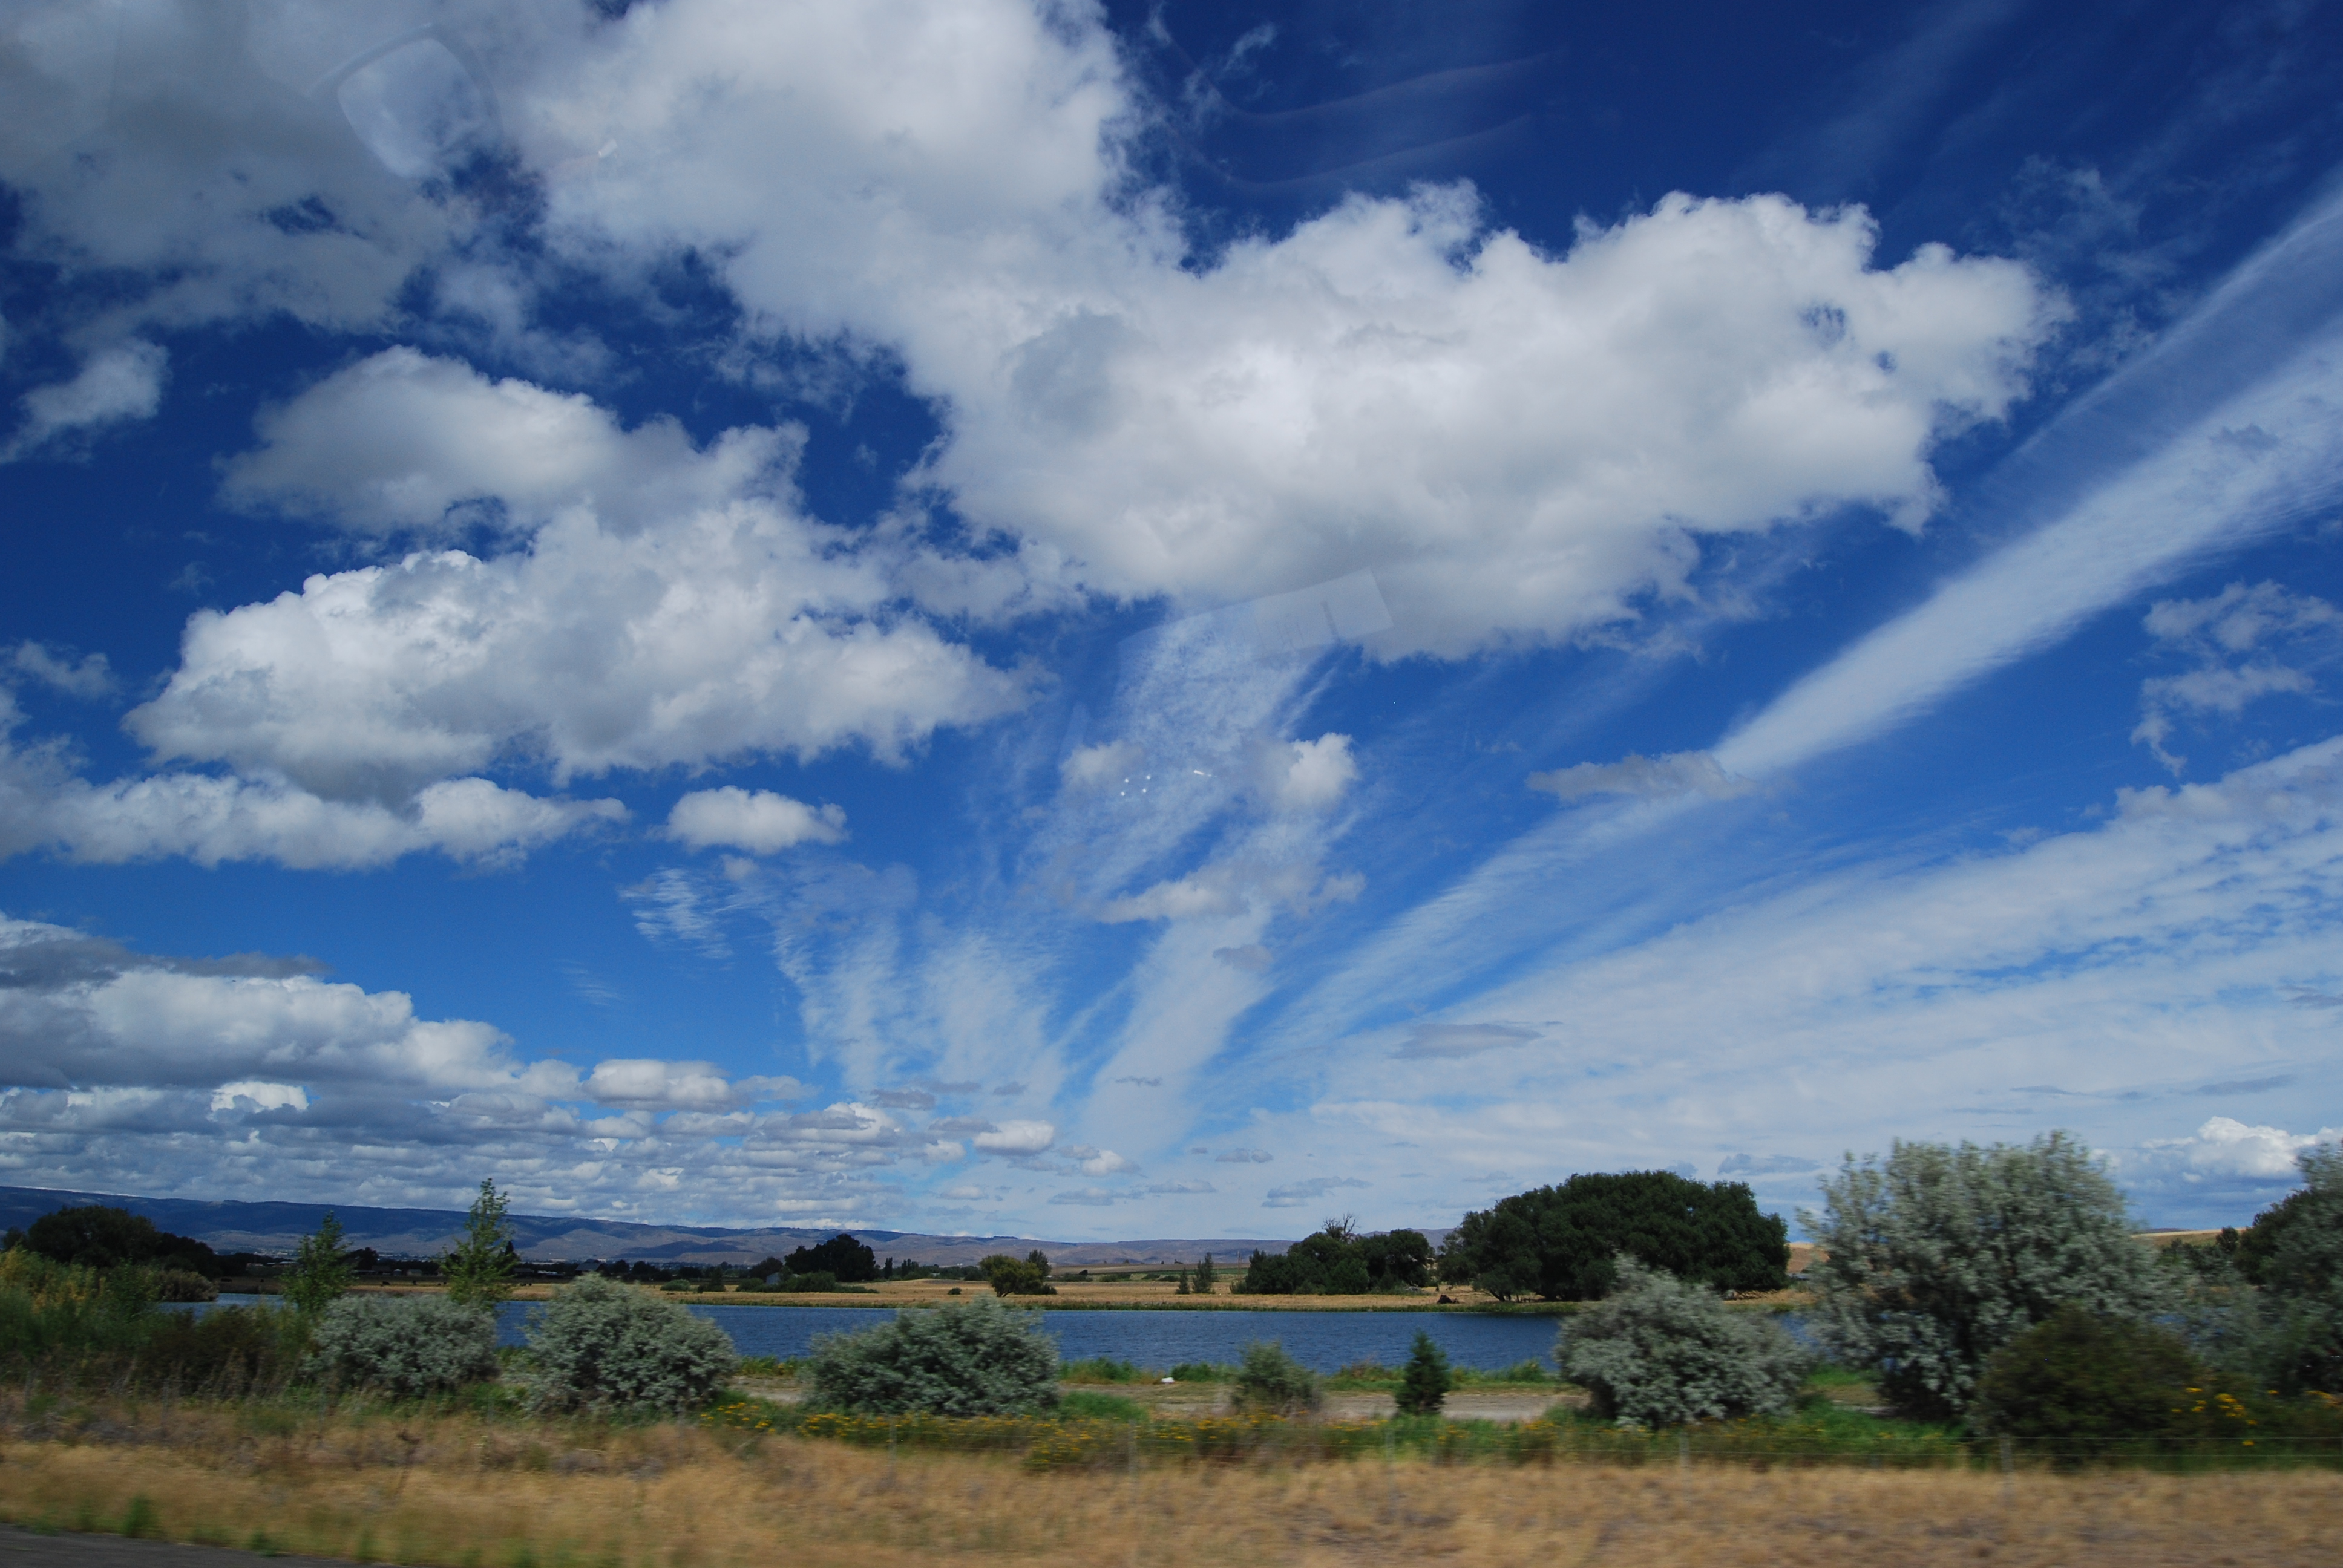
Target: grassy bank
x,y
470,1491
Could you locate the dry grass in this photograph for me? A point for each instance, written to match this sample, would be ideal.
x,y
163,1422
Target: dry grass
x,y
460,1492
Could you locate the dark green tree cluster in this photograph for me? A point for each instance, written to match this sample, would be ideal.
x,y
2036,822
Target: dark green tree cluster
x,y
1339,1262
97,1237
1562,1242
1025,1276
842,1258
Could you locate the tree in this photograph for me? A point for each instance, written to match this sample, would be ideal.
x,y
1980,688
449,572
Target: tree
x,y
1424,1381
1207,1277
2301,1272
1026,1276
479,1266
1660,1352
848,1261
1939,1256
320,1275
1339,1262
976,1360
1561,1243
97,1237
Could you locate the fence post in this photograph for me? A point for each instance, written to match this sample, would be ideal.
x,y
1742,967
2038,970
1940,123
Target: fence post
x,y
1683,1452
2008,1464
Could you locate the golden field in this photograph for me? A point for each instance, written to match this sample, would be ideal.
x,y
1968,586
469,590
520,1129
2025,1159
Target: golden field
x,y
465,1493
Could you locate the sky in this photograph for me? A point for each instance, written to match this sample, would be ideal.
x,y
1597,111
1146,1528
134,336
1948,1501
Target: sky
x,y
1110,619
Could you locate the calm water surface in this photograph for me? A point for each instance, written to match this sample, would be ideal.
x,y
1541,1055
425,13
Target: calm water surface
x,y
1323,1342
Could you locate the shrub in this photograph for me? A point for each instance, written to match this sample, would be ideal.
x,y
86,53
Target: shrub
x,y
183,1286
1203,1371
599,1343
55,1314
1270,1380
2083,1383
1939,1256
1659,1351
224,1353
977,1360
1424,1384
404,1345
1559,1242
1102,1369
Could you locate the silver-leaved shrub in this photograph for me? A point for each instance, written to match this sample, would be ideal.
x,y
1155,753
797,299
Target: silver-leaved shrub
x,y
404,1345
982,1359
602,1343
1938,1256
1657,1351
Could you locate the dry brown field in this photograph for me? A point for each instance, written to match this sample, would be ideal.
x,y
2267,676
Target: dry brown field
x,y
456,1494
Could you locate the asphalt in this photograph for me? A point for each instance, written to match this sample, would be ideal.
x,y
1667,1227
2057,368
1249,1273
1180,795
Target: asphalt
x,y
70,1549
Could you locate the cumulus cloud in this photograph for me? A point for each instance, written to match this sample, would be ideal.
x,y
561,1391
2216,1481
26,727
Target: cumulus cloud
x,y
724,630
2242,644
211,819
1309,774
1017,1138
88,679
761,822
1519,442
1179,1189
1298,1194
1677,773
648,1084
1244,1157
2224,1146
1094,1197
405,443
1094,1161
1437,1041
117,383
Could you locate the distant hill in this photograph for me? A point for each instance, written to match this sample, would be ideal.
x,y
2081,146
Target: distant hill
x,y
239,1227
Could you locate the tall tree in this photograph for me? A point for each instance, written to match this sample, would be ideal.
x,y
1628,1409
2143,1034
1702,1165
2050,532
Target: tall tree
x,y
479,1268
1563,1242
1938,1256
320,1273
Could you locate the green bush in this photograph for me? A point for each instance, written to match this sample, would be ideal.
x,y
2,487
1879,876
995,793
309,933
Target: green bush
x,y
2078,1384
408,1346
1424,1384
1659,1352
1938,1256
1559,1243
97,1237
1270,1380
601,1343
225,1353
58,1315
977,1360
1102,1369
1203,1371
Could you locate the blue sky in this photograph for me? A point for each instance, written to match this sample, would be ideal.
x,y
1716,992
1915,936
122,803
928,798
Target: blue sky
x,y
1169,619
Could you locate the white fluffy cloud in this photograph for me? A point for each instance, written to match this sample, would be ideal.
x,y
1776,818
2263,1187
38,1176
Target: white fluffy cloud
x,y
1519,443
1017,1138
717,632
209,819
403,442
650,1084
2241,644
117,383
761,822
2224,1146
1310,774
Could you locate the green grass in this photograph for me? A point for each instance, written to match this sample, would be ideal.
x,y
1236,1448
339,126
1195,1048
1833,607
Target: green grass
x,y
1104,1369
1082,1404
